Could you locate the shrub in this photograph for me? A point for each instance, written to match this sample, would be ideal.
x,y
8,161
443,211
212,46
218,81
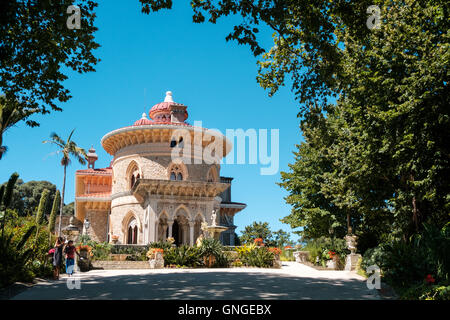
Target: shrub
x,y
253,256
161,245
182,256
319,250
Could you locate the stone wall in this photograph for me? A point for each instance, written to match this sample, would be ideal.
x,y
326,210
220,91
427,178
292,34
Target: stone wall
x,y
98,229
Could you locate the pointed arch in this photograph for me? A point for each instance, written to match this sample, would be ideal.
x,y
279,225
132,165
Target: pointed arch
x,y
133,173
182,208
177,171
131,228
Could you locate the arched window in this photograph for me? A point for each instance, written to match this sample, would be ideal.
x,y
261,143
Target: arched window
x,y
133,174
177,172
132,232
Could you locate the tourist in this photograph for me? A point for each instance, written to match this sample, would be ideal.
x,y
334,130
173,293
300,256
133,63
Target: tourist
x,y
57,257
70,251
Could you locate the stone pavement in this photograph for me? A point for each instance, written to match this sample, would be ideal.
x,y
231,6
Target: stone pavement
x,y
293,281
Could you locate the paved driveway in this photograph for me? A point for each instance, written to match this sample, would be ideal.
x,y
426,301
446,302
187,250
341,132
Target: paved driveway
x,y
293,281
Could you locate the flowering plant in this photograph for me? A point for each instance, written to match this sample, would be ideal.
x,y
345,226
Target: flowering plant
x,y
170,239
152,252
288,247
331,254
429,279
258,242
87,248
275,251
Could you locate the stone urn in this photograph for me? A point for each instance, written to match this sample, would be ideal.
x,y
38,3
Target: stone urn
x,y
157,262
351,259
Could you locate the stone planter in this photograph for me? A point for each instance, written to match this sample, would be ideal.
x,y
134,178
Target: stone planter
x,y
119,256
331,264
277,262
157,262
301,256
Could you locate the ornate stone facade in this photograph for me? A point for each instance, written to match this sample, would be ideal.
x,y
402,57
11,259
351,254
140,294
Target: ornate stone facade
x,y
160,184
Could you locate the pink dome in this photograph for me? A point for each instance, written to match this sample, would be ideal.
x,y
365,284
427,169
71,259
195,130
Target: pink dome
x,y
160,112
143,121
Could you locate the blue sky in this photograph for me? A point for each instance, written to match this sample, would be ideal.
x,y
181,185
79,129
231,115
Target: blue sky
x,y
143,56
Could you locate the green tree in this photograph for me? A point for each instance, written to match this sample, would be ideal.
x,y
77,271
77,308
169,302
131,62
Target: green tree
x,y
54,212
383,91
36,48
6,196
10,114
26,196
67,149
257,230
282,239
42,207
69,209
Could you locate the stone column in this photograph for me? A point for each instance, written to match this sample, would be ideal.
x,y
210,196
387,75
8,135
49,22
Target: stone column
x,y
151,220
164,238
156,230
185,234
170,224
191,233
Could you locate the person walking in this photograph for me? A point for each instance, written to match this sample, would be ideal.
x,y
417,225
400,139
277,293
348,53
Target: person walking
x,y
70,251
57,257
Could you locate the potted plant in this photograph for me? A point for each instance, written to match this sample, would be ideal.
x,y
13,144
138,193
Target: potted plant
x,y
209,250
156,259
114,238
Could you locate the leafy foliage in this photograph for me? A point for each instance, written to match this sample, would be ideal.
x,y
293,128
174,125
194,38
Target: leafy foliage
x,y
22,257
36,45
182,256
54,212
26,196
319,249
42,206
255,256
262,230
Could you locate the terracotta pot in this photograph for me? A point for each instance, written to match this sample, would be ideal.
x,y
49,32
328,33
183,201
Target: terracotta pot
x,y
209,261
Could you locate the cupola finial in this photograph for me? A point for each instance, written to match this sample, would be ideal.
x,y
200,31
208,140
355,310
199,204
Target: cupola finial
x,y
168,97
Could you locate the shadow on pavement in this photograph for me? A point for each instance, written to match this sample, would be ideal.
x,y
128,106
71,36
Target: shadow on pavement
x,y
202,285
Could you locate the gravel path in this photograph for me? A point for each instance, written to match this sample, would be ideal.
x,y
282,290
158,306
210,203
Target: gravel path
x,y
293,281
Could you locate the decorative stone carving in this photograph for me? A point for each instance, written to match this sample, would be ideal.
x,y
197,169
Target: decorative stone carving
x,y
352,259
301,256
157,262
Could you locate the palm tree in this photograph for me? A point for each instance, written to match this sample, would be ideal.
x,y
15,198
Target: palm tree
x,y
10,114
67,148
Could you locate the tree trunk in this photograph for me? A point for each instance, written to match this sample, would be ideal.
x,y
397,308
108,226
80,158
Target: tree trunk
x,y
348,223
62,201
416,213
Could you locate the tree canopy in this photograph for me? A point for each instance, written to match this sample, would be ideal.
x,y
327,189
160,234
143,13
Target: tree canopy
x,y
26,196
262,230
36,45
373,104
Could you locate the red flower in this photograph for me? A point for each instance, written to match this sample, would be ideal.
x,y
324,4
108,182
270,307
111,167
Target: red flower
x,y
259,242
288,247
275,251
429,279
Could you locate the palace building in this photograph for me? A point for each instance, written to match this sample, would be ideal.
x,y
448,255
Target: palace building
x,y
147,194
